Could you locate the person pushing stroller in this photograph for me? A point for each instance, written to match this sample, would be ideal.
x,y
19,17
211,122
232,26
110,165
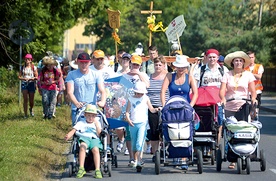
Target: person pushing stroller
x,y
88,133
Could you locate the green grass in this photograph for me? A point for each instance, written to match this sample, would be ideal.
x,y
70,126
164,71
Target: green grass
x,y
33,148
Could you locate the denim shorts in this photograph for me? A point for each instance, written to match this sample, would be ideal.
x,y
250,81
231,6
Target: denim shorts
x,y
30,86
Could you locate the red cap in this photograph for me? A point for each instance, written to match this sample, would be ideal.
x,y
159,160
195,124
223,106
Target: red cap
x,y
212,51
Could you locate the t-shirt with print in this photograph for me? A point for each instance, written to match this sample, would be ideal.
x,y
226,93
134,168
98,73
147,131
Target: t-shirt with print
x,y
85,85
139,109
85,129
106,72
49,75
209,78
237,87
135,78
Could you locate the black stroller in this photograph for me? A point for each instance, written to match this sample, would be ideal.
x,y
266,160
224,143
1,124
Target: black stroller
x,y
89,162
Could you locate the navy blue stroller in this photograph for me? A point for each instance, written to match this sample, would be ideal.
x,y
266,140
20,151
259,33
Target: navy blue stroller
x,y
178,130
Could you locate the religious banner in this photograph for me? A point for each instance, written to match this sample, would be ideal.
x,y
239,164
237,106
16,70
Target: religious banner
x,y
114,18
114,22
176,28
117,92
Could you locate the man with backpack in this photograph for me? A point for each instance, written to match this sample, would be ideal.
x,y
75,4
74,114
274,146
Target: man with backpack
x,y
211,74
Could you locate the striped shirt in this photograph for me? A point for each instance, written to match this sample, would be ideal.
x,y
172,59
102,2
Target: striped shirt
x,y
154,91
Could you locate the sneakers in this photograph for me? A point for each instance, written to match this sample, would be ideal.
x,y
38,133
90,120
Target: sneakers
x,y
142,162
98,174
126,152
133,164
31,112
130,163
120,146
81,172
148,151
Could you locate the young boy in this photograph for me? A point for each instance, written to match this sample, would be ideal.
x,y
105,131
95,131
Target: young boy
x,y
137,117
88,133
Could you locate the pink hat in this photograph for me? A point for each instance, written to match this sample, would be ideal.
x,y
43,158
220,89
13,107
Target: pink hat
x,y
212,51
28,56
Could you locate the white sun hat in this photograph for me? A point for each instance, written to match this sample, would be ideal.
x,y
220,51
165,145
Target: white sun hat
x,y
181,61
140,87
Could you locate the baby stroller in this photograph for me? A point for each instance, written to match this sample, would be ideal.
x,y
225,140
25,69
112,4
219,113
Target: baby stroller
x,y
89,162
241,139
177,132
206,131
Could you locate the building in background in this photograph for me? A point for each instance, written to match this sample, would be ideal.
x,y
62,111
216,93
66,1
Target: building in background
x,y
74,42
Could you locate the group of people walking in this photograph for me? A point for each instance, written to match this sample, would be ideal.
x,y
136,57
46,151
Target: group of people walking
x,y
154,82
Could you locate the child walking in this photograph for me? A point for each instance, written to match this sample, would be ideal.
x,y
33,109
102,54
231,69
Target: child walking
x,y
89,139
137,117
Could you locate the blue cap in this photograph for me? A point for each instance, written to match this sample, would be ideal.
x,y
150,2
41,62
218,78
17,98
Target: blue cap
x,y
221,58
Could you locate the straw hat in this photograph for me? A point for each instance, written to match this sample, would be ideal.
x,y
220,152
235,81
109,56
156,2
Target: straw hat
x,y
73,64
238,54
49,61
140,87
181,61
91,109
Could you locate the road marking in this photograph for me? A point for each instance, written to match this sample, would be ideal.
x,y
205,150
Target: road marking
x,y
273,170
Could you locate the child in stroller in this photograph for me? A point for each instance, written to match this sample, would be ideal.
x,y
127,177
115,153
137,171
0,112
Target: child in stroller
x,y
88,133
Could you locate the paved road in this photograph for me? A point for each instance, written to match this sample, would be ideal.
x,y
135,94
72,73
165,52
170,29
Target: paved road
x,y
268,140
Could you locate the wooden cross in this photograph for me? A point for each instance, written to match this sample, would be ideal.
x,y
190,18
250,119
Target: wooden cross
x,y
151,12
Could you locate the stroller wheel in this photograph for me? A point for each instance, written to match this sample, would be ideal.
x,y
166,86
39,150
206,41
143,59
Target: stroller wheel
x,y
218,160
213,156
115,161
248,164
199,161
263,160
70,169
239,165
157,162
109,168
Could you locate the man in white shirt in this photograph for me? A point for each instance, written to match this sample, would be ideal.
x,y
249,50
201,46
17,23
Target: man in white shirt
x,y
98,65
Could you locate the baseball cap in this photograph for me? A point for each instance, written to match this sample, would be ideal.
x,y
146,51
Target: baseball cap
x,y
98,54
83,57
91,109
126,55
221,58
136,59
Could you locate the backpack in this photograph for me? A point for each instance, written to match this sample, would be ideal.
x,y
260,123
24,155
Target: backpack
x,y
202,71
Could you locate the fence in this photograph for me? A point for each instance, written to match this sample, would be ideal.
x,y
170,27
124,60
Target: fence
x,y
269,79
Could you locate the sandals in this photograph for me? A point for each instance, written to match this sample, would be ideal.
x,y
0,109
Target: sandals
x,y
232,166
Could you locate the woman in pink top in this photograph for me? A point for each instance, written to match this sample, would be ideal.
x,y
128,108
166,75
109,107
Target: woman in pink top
x,y
48,80
237,83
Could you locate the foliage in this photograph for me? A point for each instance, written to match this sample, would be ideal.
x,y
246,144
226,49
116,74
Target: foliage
x,y
8,79
33,148
225,25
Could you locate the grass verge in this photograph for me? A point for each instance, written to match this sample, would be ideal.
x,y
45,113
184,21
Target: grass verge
x,y
33,148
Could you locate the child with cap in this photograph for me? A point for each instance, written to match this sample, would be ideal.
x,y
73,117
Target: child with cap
x,y
88,133
137,117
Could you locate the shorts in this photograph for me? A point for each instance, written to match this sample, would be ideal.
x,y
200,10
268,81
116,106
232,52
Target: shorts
x,y
29,86
91,143
153,132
